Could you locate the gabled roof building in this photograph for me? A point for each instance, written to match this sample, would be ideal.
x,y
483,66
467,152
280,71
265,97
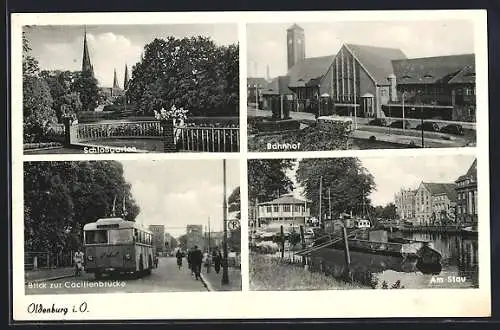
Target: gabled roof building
x,y
368,81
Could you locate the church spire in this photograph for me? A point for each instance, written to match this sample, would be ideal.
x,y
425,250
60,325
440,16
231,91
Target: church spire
x,y
86,63
115,82
126,79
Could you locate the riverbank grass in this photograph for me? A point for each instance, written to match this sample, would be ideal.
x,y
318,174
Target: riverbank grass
x,y
268,274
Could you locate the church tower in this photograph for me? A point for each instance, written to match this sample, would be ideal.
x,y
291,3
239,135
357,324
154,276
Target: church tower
x,y
296,48
86,63
115,82
126,80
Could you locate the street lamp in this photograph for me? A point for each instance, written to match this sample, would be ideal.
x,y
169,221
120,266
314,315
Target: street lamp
x,y
422,121
403,109
225,276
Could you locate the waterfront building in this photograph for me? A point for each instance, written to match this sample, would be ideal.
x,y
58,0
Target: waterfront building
x,y
287,211
466,188
435,203
405,204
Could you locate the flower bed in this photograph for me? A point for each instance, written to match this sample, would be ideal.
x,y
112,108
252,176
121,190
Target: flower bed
x,y
41,145
312,138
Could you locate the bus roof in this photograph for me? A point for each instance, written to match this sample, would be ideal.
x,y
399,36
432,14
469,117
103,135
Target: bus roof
x,y
108,222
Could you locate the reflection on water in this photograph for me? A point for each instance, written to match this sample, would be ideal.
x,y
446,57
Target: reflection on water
x,y
459,264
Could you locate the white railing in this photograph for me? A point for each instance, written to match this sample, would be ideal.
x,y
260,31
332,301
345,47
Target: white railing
x,y
95,131
187,138
209,139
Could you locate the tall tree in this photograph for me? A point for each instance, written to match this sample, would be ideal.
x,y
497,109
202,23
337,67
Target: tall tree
x,y
267,178
66,101
38,113
86,86
234,202
60,197
349,183
193,73
30,64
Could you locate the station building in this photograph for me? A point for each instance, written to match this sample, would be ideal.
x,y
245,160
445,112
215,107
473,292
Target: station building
x,y
372,81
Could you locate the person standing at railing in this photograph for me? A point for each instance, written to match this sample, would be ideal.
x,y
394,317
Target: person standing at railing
x,y
179,125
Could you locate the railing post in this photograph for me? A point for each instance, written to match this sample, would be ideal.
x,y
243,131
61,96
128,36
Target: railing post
x,y
168,136
67,131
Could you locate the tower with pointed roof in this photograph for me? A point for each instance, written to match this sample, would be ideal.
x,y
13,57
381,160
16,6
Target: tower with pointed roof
x,y
296,49
86,63
126,79
115,81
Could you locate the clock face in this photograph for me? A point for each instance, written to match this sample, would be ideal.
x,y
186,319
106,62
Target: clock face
x,y
289,41
299,41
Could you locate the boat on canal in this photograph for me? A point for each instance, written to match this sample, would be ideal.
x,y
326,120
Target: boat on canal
x,y
378,244
470,231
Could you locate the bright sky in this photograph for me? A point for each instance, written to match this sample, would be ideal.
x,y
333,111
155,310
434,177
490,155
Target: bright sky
x,y
393,173
176,193
266,43
111,46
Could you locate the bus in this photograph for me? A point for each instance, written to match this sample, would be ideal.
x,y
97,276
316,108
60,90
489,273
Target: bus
x,y
114,245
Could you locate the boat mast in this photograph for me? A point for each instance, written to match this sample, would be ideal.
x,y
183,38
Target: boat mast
x,y
320,202
330,204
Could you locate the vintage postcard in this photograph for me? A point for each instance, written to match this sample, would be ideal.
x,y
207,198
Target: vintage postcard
x,y
130,88
130,226
334,85
354,223
140,192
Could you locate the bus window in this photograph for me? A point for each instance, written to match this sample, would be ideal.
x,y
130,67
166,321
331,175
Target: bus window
x,y
120,236
96,237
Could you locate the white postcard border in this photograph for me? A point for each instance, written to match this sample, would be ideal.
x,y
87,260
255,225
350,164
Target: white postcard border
x,y
247,304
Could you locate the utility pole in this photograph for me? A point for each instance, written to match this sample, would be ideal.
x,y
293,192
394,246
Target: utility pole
x,y
225,276
330,204
209,260
320,202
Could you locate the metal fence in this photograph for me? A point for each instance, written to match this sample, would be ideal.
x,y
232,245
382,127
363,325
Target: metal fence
x,y
187,138
44,260
208,139
95,131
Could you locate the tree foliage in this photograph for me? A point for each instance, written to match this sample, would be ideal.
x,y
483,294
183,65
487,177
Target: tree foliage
x,y
61,197
30,64
183,241
66,99
85,85
38,113
234,202
193,73
349,183
387,211
267,179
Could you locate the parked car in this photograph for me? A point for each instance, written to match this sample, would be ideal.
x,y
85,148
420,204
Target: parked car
x,y
429,126
399,124
378,122
453,129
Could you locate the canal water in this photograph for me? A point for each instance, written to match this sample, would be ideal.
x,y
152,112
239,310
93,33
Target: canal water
x,y
459,265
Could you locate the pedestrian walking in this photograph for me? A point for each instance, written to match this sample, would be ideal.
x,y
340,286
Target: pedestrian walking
x,y
78,258
179,257
196,261
190,260
217,261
